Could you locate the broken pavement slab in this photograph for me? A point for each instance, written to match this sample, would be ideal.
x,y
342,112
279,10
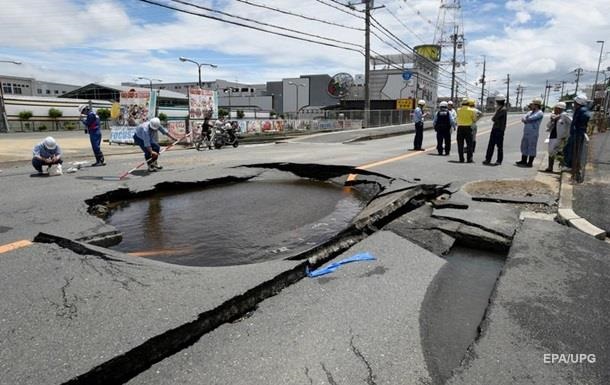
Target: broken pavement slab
x,y
493,217
357,325
75,312
550,299
412,223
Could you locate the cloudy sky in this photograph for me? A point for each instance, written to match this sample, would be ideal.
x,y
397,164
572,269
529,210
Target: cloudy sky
x,y
78,42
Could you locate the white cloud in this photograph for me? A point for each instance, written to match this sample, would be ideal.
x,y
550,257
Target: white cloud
x,y
113,41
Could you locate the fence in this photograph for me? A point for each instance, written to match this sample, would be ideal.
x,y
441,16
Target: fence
x,y
377,118
36,125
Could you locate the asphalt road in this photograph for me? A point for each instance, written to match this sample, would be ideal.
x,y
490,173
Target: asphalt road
x,y
360,325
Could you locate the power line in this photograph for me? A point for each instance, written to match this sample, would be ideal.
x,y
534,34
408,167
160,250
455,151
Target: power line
x,y
298,15
248,26
462,81
340,9
404,25
263,23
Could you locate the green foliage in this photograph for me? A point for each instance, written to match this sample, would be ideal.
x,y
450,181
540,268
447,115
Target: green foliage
x,y
240,114
42,127
162,117
103,113
568,97
69,126
25,115
54,113
222,112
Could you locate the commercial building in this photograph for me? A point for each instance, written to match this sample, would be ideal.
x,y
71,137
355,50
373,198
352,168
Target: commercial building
x,y
14,85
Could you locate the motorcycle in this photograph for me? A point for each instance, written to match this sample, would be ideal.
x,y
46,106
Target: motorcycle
x,y
225,135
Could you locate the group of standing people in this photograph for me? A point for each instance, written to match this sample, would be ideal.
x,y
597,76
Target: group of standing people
x,y
447,119
464,120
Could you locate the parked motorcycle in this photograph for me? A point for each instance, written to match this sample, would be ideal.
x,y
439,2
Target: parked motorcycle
x,y
225,135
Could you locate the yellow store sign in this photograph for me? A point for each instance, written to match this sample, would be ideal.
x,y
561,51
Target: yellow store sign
x,y
404,104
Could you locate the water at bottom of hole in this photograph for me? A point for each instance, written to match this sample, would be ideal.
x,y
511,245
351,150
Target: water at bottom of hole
x,y
235,224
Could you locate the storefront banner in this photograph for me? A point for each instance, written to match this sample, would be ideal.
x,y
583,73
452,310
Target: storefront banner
x,y
177,128
134,107
202,103
122,134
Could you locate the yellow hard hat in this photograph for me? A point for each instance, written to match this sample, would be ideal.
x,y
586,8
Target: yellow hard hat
x,y
471,102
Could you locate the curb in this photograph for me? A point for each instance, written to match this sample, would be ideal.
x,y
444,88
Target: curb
x,y
567,215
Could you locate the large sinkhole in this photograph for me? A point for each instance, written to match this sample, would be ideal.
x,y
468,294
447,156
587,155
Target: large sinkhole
x,y
274,216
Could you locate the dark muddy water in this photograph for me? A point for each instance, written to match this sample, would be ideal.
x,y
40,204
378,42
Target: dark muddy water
x,y
235,224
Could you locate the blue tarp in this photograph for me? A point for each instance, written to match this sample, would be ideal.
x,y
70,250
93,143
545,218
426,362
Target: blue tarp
x,y
335,265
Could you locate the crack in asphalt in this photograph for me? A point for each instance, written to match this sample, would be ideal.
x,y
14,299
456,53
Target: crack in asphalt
x,y
108,268
329,375
308,376
67,309
370,380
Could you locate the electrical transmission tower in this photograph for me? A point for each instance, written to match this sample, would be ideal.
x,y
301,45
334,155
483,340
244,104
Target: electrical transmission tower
x,y
449,34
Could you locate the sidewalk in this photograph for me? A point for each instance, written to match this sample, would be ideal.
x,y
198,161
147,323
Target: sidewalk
x,y
592,198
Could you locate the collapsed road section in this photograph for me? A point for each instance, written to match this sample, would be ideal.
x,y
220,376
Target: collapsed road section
x,y
135,312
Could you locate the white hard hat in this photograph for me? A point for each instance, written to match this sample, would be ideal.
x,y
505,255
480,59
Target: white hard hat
x,y
537,101
421,102
580,99
155,123
450,102
83,107
50,143
443,104
560,105
500,98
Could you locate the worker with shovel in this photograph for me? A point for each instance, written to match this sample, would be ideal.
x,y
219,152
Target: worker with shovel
x,y
145,138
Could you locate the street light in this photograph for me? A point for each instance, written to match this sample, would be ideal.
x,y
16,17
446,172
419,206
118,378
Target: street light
x,y
296,87
4,117
183,59
597,73
149,81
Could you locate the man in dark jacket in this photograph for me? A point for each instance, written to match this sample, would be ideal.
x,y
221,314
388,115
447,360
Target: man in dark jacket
x,y
573,149
443,123
497,132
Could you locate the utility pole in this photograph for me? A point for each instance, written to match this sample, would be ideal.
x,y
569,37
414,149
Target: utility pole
x,y
483,84
547,95
563,82
601,50
507,91
578,73
367,63
454,38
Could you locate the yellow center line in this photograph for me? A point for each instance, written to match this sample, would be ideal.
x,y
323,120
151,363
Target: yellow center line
x,y
14,246
366,166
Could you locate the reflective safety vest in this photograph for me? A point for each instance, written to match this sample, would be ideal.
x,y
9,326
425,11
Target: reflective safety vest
x,y
466,116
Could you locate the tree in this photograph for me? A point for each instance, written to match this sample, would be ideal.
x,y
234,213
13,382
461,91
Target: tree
x,y
25,115
162,117
55,114
104,114
240,114
222,112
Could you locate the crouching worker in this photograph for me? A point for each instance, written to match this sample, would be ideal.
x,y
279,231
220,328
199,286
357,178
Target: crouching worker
x,y
145,138
46,153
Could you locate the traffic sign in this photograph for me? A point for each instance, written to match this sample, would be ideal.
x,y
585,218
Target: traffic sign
x,y
406,75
